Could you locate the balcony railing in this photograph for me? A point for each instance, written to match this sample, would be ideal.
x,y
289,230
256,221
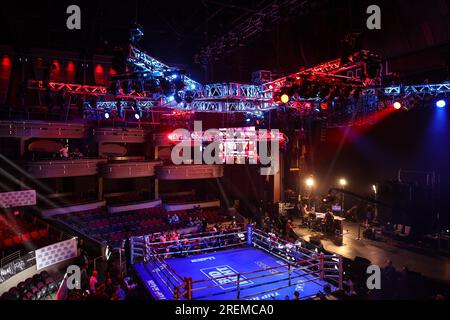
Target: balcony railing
x,y
189,172
64,168
119,135
39,129
129,169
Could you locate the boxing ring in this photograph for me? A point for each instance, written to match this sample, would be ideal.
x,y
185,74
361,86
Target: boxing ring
x,y
236,265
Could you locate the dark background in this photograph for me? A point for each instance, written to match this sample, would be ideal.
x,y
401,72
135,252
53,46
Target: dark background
x,y
415,34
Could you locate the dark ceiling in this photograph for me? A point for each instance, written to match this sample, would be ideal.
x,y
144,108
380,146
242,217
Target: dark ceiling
x,y
176,30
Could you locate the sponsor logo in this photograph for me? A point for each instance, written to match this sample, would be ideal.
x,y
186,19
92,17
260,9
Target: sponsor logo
x,y
203,259
226,277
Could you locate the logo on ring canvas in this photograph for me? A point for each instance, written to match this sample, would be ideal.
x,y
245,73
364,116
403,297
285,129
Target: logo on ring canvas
x,y
226,277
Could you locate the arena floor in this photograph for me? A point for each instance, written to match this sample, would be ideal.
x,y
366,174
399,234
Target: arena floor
x,y
231,262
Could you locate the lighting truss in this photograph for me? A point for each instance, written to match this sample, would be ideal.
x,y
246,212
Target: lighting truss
x,y
234,91
431,89
249,28
145,63
68,87
327,69
226,106
126,104
80,89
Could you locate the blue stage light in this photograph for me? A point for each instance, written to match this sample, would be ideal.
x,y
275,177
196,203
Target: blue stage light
x,y
192,87
171,98
441,103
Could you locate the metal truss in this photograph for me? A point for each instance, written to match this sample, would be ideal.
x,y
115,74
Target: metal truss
x,y
68,87
80,89
126,104
145,63
226,106
234,91
330,68
250,27
430,89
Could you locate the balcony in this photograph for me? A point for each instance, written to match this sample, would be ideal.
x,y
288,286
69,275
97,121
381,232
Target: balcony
x,y
124,170
64,168
38,129
189,172
119,135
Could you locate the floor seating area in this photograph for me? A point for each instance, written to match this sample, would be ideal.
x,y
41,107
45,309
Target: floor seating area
x,y
37,287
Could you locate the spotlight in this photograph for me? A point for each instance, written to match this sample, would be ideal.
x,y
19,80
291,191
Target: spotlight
x,y
107,115
192,87
285,98
310,182
171,98
137,116
397,105
441,103
343,182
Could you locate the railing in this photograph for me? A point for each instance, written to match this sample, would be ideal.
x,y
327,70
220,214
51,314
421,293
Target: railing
x,y
16,266
6,260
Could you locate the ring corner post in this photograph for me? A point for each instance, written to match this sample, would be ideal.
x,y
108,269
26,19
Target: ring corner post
x,y
188,281
322,266
341,273
250,235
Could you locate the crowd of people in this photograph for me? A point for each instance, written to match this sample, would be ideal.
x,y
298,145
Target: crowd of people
x,y
103,280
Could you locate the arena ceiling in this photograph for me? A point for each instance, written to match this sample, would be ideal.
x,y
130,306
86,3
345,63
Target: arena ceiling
x,y
176,31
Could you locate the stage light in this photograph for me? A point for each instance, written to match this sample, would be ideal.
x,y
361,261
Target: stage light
x,y
192,87
137,116
397,105
310,182
171,99
342,182
107,115
285,98
441,103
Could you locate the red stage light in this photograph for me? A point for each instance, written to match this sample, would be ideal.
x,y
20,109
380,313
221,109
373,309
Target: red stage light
x,y
397,105
70,67
57,65
98,68
6,61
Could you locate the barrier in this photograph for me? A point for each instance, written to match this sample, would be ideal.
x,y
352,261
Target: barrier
x,y
298,265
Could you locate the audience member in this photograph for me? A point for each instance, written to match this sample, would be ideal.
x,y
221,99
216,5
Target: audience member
x,y
93,282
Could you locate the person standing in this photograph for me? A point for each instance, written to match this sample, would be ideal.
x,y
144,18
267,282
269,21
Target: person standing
x,y
64,151
93,282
